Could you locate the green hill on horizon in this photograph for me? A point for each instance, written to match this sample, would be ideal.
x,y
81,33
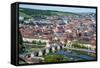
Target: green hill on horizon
x,y
27,12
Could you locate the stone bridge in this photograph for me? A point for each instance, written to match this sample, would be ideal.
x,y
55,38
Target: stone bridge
x,y
54,48
47,50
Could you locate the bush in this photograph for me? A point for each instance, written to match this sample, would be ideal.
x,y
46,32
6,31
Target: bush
x,y
78,45
38,42
34,42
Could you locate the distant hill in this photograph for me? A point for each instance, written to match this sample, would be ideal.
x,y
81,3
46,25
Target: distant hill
x,y
27,12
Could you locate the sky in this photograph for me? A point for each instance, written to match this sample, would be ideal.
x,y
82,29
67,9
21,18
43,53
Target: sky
x,y
57,8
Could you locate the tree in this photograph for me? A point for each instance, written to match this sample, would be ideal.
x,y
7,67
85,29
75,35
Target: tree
x,y
34,42
20,42
44,43
39,42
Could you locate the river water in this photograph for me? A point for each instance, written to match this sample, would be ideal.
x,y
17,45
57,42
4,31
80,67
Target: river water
x,y
74,56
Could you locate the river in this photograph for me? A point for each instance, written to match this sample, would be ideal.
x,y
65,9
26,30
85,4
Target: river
x,y
74,56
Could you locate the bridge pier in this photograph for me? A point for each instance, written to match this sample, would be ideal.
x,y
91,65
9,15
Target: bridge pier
x,y
33,55
63,46
58,47
40,53
53,49
47,51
